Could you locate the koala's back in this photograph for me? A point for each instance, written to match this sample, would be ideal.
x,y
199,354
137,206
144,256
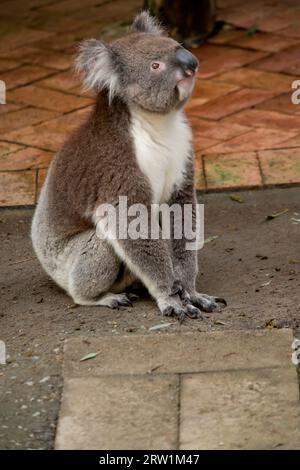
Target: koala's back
x,y
94,166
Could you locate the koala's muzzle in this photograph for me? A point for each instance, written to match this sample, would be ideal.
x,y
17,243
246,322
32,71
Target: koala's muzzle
x,y
187,61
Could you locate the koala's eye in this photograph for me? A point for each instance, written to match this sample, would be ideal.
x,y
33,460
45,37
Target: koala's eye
x,y
155,65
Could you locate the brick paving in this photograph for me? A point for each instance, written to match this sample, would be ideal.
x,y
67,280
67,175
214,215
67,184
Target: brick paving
x,y
230,390
246,128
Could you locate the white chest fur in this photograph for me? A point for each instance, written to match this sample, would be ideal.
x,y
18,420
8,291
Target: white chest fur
x,y
162,146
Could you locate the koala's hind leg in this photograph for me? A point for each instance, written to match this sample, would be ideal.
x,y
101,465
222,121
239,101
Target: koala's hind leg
x,y
96,275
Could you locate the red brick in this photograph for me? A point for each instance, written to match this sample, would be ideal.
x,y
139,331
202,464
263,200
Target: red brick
x,y
48,99
264,42
18,54
64,81
253,78
252,140
238,17
199,174
225,37
6,147
9,108
42,173
290,143
6,64
67,81
51,134
280,166
287,61
23,118
69,6
25,159
267,119
244,15
227,59
232,171
233,103
20,37
201,143
68,122
291,31
56,60
17,188
216,130
64,42
208,51
37,136
277,22
282,103
206,90
24,75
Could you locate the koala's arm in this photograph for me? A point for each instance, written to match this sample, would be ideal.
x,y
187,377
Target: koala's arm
x,y
149,259
185,261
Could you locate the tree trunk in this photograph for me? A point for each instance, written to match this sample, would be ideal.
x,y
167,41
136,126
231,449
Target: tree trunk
x,y
189,21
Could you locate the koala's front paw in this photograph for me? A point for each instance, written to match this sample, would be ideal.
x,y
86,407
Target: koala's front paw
x,y
173,306
207,303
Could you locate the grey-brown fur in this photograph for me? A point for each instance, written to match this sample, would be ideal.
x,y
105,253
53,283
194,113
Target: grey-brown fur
x,y
97,165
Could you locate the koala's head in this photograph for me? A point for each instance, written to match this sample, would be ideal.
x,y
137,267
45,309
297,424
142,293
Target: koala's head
x,y
145,68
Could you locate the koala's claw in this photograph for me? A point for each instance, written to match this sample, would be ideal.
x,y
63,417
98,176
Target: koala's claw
x,y
174,306
170,311
193,312
207,303
120,300
221,301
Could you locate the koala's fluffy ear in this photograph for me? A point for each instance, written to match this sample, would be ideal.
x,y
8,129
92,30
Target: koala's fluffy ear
x,y
145,23
96,61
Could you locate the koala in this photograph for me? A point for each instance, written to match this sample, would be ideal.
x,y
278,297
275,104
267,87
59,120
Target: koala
x,y
135,143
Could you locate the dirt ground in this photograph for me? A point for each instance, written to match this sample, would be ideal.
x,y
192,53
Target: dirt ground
x,y
253,263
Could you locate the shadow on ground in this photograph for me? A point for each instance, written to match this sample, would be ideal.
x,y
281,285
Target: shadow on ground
x,y
253,263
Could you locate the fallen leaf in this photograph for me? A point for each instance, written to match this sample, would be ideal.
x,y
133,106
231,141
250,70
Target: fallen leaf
x,y
294,261
159,326
72,306
211,239
89,356
274,323
219,322
270,323
153,369
266,283
236,198
276,214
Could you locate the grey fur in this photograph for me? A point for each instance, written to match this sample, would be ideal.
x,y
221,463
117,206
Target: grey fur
x,y
95,61
123,67
96,165
144,23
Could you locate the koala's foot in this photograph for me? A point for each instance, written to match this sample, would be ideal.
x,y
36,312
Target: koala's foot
x,y
109,300
173,306
196,302
207,303
117,300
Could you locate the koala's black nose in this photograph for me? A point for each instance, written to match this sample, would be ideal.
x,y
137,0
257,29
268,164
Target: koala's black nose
x,y
187,60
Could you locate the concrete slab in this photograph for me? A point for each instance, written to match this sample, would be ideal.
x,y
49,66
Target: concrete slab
x,y
119,413
139,393
257,409
178,353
